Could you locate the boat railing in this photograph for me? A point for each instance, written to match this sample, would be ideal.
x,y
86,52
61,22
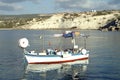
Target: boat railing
x,y
62,53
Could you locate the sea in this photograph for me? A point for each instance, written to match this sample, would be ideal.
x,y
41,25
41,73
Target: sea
x,y
103,63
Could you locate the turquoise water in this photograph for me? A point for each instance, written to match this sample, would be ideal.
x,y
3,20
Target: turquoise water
x,y
103,63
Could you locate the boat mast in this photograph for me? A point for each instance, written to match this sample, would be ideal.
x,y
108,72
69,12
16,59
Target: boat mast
x,y
85,42
85,37
74,42
42,37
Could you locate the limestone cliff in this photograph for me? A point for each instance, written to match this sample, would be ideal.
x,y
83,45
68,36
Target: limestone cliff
x,y
82,20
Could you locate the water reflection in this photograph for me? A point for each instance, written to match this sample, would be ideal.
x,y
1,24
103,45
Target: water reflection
x,y
66,71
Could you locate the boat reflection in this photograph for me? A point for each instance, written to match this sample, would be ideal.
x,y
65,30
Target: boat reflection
x,y
42,67
64,71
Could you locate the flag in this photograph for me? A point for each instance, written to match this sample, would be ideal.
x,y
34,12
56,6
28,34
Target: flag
x,y
68,35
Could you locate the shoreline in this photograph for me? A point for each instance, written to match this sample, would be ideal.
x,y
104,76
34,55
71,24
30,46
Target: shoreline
x,y
53,29
45,29
6,29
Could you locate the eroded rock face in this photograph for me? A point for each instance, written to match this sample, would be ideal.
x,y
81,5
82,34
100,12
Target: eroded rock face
x,y
111,26
83,20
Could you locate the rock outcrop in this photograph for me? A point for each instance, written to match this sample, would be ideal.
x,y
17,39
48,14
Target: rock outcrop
x,y
111,26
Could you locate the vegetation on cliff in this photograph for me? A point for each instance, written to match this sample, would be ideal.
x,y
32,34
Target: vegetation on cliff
x,y
81,20
14,21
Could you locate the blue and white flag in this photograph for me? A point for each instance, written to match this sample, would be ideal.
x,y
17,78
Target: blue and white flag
x,y
68,35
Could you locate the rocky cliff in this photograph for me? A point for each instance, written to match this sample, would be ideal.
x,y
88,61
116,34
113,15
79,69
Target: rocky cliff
x,y
82,20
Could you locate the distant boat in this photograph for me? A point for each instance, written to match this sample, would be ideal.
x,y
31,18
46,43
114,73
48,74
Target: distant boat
x,y
53,56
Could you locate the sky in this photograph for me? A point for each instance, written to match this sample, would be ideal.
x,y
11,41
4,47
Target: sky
x,y
11,7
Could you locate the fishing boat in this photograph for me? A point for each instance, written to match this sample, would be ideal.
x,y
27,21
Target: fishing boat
x,y
53,56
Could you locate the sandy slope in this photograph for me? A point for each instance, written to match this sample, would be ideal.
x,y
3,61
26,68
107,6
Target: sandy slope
x,y
69,20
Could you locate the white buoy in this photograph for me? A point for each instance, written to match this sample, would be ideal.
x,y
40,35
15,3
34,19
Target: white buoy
x,y
23,42
84,51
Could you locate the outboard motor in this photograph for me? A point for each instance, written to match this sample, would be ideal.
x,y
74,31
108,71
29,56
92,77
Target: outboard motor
x,y
23,43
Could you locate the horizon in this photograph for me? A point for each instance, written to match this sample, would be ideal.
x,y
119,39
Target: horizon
x,y
51,13
23,7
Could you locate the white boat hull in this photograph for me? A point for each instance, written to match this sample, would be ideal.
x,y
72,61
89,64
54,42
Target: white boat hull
x,y
53,59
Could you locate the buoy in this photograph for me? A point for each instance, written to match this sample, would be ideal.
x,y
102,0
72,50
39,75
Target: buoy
x,y
84,51
23,42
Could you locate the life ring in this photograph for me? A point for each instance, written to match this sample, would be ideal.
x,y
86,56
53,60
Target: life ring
x,y
23,43
84,51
